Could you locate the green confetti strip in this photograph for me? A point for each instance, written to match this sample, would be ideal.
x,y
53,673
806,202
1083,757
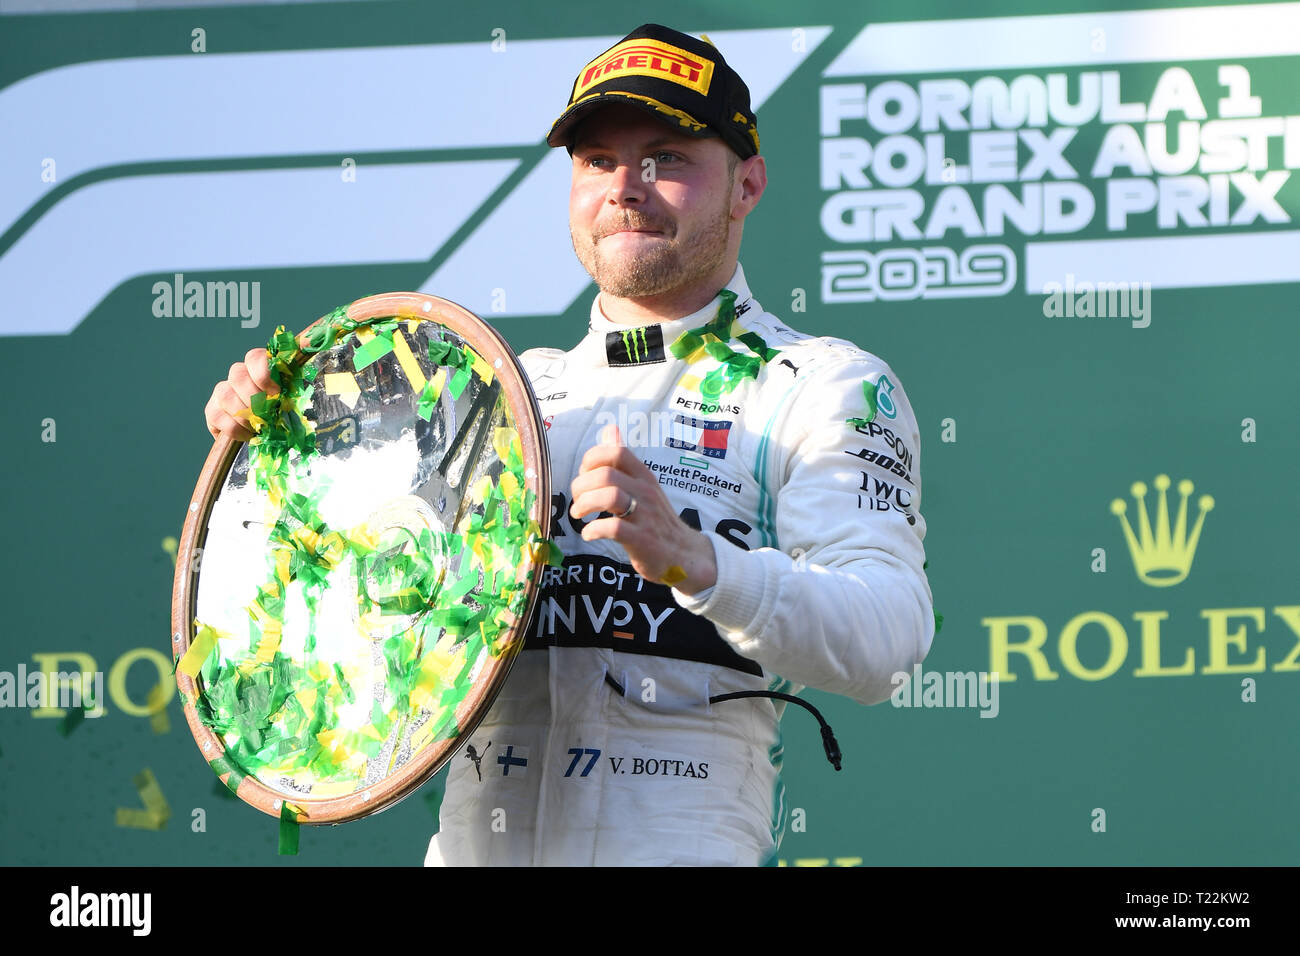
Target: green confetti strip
x,y
75,717
869,393
713,338
458,382
938,618
72,719
366,355
429,398
447,353
288,831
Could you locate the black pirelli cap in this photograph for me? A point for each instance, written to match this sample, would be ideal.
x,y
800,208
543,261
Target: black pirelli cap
x,y
676,77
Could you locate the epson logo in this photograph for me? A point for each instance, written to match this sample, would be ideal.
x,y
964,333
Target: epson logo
x,y
102,909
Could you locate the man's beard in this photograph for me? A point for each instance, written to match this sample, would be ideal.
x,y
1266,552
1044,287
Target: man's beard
x,y
664,265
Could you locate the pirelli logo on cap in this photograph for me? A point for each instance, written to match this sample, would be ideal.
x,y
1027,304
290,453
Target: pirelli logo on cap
x,y
647,58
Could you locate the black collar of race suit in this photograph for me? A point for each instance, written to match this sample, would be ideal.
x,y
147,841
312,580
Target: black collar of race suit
x,y
643,345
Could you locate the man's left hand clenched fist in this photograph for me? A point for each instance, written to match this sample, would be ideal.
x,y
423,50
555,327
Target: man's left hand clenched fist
x,y
661,546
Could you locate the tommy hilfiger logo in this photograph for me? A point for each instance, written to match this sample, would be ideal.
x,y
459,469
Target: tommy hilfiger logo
x,y
701,436
641,346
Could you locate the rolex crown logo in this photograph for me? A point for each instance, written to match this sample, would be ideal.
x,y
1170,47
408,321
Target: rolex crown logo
x,y
1163,558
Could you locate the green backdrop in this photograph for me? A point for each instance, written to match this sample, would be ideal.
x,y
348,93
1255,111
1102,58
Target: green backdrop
x,y
1137,722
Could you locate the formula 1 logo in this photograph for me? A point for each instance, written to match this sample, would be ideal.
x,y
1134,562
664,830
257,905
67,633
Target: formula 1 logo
x,y
88,205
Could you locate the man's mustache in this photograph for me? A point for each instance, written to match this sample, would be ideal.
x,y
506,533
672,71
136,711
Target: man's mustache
x,y
630,222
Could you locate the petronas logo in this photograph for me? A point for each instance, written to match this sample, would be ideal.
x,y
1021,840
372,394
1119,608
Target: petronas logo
x,y
1164,557
635,346
632,346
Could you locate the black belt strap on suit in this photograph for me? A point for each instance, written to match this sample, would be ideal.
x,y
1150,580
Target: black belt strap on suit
x,y
829,743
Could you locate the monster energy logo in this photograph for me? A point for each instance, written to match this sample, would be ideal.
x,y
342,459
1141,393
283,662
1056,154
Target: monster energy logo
x,y
635,346
630,345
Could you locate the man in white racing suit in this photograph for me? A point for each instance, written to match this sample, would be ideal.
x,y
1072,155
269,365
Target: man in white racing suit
x,y
738,505
772,477
572,771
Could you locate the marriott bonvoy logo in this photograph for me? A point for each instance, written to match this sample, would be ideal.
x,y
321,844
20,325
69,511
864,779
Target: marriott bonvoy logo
x,y
1094,645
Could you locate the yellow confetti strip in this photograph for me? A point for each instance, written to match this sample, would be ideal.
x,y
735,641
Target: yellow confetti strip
x,y
147,786
198,652
344,385
266,623
157,706
269,644
695,356
156,810
480,490
436,669
409,365
282,559
674,575
334,741
480,367
363,539
319,671
138,819
478,552
439,380
505,441
309,538
509,485
422,737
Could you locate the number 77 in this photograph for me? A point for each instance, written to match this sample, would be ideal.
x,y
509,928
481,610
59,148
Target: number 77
x,y
577,755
